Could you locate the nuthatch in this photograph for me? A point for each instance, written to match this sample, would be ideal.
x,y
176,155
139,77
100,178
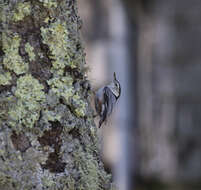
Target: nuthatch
x,y
105,99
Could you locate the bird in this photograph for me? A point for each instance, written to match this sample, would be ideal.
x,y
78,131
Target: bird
x,y
106,98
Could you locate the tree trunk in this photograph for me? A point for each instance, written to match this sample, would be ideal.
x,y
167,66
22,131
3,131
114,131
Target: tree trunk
x,y
48,137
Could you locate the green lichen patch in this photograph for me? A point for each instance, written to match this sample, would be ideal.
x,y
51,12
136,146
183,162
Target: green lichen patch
x,y
2,16
12,60
80,106
29,89
21,10
30,50
49,3
48,182
5,78
56,36
51,116
30,96
63,88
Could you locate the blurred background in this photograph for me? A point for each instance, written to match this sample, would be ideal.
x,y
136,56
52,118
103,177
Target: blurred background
x,y
153,140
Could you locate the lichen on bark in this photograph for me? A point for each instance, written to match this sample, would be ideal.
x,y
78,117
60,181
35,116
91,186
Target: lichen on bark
x,y
48,139
12,60
30,98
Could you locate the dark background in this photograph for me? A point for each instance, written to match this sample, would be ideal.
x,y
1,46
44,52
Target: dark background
x,y
154,138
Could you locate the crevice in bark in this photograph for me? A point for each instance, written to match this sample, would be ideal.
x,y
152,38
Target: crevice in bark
x,y
4,88
52,138
20,141
1,50
75,133
74,72
54,163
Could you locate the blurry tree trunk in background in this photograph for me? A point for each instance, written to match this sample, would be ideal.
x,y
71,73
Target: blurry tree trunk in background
x,y
48,138
95,33
169,89
121,61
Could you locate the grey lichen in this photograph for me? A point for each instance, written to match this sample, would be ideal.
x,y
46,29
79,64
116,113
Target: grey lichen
x,y
90,171
7,182
89,175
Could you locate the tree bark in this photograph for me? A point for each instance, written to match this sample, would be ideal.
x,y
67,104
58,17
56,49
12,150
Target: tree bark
x,y
48,137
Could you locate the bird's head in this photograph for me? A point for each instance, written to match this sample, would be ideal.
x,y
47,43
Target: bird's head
x,y
115,87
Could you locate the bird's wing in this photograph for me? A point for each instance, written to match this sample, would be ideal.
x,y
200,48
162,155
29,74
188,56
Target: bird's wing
x,y
109,99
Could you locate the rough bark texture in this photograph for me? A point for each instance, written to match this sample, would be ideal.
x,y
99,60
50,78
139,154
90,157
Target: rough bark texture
x,y
47,135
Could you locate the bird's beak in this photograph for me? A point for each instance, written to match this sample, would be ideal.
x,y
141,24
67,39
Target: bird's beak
x,y
115,76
